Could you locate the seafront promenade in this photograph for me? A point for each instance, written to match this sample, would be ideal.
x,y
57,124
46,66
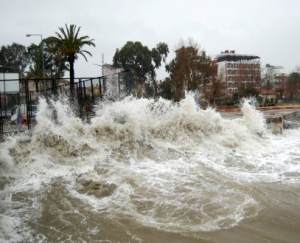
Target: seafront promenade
x,y
268,111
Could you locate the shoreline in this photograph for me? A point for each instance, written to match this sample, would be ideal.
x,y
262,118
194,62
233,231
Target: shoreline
x,y
260,108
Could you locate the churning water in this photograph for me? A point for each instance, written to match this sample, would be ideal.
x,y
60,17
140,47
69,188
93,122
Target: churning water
x,y
150,171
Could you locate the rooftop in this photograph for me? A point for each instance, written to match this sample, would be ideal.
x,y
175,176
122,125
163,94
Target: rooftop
x,y
231,56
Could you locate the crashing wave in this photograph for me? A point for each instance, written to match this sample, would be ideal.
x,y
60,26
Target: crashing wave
x,y
171,166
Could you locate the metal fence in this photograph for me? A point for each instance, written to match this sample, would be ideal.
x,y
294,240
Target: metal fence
x,y
18,107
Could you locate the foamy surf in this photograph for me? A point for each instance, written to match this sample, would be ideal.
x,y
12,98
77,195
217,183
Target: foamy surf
x,y
171,167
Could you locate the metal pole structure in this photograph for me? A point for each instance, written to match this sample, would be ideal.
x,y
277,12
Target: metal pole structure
x,y
4,93
100,88
1,119
92,91
119,85
27,104
5,96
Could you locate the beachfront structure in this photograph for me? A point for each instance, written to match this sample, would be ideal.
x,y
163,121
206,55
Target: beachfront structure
x,y
238,70
9,90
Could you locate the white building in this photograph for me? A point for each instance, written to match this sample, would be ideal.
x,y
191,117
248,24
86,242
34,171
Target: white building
x,y
270,74
236,70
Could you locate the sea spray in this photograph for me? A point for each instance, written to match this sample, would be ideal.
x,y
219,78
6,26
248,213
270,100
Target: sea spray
x,y
253,118
170,166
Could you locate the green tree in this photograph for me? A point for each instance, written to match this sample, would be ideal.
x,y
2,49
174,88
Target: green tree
x,y
54,62
70,45
214,90
191,69
14,58
141,62
159,55
247,90
166,89
293,85
36,61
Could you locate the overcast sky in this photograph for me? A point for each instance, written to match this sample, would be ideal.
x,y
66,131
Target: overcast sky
x,y
267,28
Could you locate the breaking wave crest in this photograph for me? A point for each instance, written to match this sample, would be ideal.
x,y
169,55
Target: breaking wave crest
x,y
173,167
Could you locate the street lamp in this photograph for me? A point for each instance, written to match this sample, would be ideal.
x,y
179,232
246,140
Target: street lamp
x,y
41,36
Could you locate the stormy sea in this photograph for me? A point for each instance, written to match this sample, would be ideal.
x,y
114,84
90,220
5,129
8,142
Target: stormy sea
x,y
150,171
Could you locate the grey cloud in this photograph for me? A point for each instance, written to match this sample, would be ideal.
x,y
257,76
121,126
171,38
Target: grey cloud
x,y
268,28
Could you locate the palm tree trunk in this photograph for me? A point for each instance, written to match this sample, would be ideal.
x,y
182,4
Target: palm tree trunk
x,y
71,62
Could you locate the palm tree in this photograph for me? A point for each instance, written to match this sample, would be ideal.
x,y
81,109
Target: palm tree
x,y
71,45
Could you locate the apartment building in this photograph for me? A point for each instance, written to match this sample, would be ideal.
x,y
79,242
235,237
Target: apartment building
x,y
238,70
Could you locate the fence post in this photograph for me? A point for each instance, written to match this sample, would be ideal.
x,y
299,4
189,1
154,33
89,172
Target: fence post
x,y
27,104
45,87
5,99
84,90
119,85
1,118
92,91
54,90
80,97
100,88
36,86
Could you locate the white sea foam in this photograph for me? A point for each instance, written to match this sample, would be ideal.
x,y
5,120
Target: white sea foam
x,y
176,167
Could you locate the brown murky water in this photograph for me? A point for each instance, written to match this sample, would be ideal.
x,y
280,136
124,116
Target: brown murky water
x,y
63,218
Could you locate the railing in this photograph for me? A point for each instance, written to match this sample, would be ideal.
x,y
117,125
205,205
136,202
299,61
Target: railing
x,y
19,97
